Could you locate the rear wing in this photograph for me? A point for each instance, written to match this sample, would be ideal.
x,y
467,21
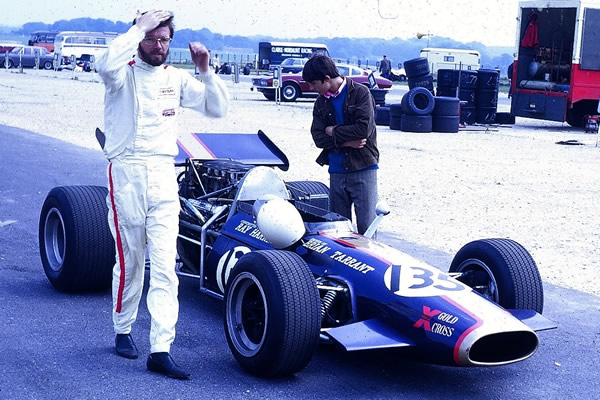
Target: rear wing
x,y
248,148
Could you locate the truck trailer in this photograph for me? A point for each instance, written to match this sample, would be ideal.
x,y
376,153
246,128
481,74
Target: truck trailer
x,y
556,70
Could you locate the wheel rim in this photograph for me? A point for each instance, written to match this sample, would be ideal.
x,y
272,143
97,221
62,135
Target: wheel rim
x,y
47,65
54,239
289,92
247,314
476,274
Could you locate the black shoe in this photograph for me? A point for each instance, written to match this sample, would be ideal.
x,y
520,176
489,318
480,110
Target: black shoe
x,y
125,346
163,363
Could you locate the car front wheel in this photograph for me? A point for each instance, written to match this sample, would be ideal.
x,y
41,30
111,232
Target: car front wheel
x,y
502,271
272,313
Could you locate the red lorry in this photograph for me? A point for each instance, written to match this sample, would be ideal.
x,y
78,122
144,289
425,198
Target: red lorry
x,y
556,72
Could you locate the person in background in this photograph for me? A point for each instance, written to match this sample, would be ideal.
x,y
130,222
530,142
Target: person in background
x,y
344,127
141,103
385,67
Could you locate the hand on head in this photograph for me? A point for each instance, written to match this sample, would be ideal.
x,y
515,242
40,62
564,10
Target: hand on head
x,y
150,19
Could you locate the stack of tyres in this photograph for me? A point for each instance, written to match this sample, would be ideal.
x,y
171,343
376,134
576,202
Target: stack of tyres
x,y
395,116
416,105
466,93
418,73
445,114
487,96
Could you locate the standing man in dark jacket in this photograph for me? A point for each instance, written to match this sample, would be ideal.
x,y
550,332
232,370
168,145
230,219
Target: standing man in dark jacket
x,y
344,127
385,67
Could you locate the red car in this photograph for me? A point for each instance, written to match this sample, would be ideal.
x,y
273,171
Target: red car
x,y
293,86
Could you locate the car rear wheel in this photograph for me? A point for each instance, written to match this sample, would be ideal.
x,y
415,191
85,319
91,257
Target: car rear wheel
x,y
272,313
48,65
76,245
290,91
502,271
7,64
314,193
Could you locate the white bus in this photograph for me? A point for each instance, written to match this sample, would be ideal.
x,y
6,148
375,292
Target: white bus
x,y
451,59
69,43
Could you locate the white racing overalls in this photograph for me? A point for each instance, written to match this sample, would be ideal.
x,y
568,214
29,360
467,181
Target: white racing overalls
x,y
141,105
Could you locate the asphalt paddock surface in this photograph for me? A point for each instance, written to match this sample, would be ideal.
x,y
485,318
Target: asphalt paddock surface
x,y
444,190
57,345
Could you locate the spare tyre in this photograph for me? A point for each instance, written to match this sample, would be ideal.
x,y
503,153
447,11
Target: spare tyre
x,y
468,79
486,115
425,81
416,67
446,106
416,123
487,79
447,78
444,123
382,115
418,101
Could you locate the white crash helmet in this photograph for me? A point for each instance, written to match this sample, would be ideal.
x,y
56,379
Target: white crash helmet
x,y
279,221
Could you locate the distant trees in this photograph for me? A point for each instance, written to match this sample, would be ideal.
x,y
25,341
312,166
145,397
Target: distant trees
x,y
369,50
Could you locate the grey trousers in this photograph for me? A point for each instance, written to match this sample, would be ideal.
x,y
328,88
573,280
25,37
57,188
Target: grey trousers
x,y
358,188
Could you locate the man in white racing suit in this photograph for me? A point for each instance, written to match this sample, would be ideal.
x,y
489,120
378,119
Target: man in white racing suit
x,y
142,101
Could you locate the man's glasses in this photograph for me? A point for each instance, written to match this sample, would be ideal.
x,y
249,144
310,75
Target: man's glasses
x,y
150,41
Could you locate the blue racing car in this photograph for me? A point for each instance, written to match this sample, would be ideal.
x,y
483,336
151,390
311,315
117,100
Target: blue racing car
x,y
293,274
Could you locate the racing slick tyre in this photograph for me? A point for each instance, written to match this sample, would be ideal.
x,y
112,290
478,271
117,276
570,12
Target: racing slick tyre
x,y
314,193
467,79
487,79
272,313
290,91
416,123
76,246
382,115
445,123
446,106
396,110
423,81
502,271
447,78
416,67
486,115
396,123
417,101
467,115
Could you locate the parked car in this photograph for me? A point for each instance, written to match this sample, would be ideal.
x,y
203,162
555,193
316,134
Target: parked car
x,y
6,47
291,65
26,56
293,86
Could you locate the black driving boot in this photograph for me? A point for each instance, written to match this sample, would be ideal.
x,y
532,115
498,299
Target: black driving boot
x,y
125,346
164,364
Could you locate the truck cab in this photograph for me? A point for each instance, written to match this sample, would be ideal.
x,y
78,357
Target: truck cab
x,y
556,71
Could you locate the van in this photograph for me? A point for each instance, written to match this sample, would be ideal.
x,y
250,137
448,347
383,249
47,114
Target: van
x,y
451,59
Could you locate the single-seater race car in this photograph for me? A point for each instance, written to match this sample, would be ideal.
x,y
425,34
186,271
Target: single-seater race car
x,y
293,274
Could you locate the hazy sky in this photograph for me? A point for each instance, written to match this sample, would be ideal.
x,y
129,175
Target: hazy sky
x,y
492,22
